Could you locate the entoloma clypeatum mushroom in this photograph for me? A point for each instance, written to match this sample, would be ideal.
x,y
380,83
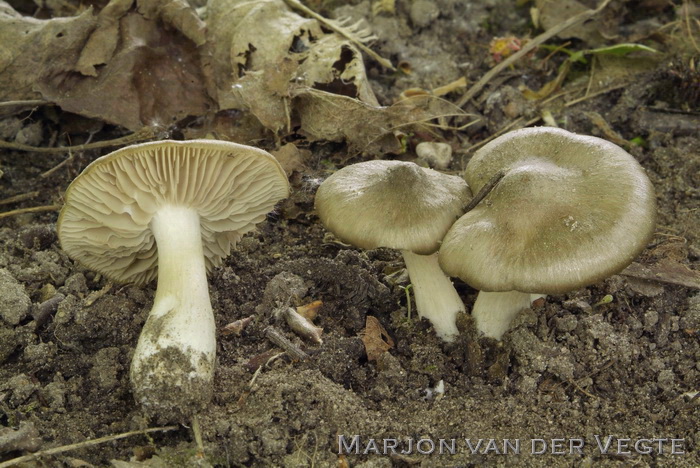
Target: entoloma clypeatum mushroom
x,y
402,206
171,209
569,211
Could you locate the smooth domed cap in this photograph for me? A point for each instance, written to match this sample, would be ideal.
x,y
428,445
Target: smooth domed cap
x,y
392,204
569,211
104,223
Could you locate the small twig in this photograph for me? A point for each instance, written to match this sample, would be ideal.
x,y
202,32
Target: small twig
x,y
79,445
342,31
578,387
19,198
290,348
34,209
485,190
95,295
545,36
32,102
198,436
498,133
573,102
57,166
259,370
686,11
142,134
407,291
45,309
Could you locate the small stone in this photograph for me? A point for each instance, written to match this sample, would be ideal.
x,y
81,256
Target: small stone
x,y
14,301
666,379
54,394
40,353
21,388
566,323
690,318
76,285
437,155
651,318
423,12
9,341
46,292
390,367
26,438
31,134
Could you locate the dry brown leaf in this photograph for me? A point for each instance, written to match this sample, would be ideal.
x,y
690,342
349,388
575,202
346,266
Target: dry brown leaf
x,y
375,338
153,79
667,271
31,49
367,129
237,327
258,53
326,116
178,14
148,75
265,93
310,311
292,159
553,12
103,41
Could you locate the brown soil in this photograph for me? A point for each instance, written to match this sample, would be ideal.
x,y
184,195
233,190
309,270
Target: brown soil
x,y
567,369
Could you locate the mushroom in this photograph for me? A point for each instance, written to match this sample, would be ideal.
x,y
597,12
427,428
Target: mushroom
x,y
171,209
402,206
569,211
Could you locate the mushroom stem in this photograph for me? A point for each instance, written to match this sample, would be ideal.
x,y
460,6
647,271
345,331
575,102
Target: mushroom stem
x,y
436,298
173,364
494,311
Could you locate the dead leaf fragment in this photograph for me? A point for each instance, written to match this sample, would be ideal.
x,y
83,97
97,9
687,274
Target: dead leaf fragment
x,y
291,159
31,49
366,128
375,338
237,327
665,272
178,14
554,12
154,78
117,66
258,72
103,41
310,311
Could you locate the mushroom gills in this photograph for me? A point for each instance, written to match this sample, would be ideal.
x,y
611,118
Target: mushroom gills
x,y
173,364
493,312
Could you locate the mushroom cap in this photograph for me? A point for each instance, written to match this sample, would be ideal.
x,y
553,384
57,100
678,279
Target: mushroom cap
x,y
392,204
569,211
104,223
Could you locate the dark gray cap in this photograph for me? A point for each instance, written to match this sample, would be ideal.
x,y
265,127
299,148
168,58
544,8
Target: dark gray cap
x,y
570,211
392,204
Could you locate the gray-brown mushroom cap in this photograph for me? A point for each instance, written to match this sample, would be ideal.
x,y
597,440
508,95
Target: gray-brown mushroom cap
x,y
570,211
104,223
392,204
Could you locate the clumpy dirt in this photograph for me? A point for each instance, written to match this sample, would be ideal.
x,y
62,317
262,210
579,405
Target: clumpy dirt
x,y
572,371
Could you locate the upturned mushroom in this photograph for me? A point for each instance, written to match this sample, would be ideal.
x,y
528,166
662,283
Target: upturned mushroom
x,y
569,211
171,209
402,206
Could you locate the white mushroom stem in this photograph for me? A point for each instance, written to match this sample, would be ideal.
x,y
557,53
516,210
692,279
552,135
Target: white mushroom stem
x,y
494,311
173,363
436,298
